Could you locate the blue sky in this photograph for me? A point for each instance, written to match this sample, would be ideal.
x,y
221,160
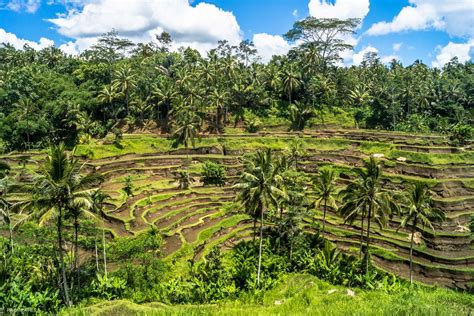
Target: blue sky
x,y
431,30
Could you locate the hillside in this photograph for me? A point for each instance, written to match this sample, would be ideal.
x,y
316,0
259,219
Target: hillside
x,y
194,220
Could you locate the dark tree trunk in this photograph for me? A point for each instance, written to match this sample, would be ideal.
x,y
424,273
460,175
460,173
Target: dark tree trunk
x,y
61,259
368,240
413,228
260,248
361,235
324,216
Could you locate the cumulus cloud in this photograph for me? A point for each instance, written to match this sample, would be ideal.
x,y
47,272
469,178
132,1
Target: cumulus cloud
x,y
269,45
358,57
340,9
199,26
454,17
30,6
463,51
18,43
396,46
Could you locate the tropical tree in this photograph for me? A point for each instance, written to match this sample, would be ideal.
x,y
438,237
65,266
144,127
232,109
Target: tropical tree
x,y
59,186
99,198
291,81
417,208
6,209
187,127
259,188
125,81
365,196
325,190
24,109
107,96
296,151
184,179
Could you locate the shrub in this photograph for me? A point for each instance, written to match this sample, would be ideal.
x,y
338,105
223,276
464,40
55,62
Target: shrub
x,y
213,174
461,133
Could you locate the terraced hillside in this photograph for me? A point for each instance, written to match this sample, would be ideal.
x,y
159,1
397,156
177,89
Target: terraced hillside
x,y
192,221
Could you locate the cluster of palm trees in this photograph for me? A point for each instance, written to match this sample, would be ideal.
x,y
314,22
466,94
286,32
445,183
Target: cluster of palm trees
x,y
267,184
61,192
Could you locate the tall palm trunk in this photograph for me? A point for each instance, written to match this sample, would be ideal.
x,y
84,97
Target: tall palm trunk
x,y
126,101
104,251
367,252
254,228
361,235
76,234
10,231
260,248
61,258
28,131
96,253
324,215
411,249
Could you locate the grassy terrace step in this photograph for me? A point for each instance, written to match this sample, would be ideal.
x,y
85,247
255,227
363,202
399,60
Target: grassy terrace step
x,y
381,252
401,239
219,237
403,247
190,214
186,251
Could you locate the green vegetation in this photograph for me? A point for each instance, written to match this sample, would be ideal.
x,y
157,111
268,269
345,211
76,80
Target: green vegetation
x,y
168,161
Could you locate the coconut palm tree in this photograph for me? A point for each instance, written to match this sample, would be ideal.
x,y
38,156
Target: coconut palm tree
x,y
259,189
24,109
187,127
125,82
291,81
325,190
417,208
107,96
98,199
365,196
6,208
165,94
59,186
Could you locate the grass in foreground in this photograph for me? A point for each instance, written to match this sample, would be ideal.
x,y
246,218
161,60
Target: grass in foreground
x,y
304,294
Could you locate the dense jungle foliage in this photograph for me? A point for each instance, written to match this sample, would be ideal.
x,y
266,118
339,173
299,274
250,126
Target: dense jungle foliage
x,y
46,96
56,250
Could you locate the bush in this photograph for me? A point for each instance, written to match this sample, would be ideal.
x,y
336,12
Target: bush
x,y
213,174
461,133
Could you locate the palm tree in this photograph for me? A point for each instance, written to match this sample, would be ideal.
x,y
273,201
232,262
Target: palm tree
x,y
259,188
5,209
325,189
24,108
219,99
291,81
187,127
99,198
184,179
417,208
365,196
59,186
296,151
125,81
107,96
165,93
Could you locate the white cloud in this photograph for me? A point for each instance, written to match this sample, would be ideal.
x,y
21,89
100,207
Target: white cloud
x,y
463,51
199,26
454,17
340,9
18,43
396,46
268,45
357,58
295,13
30,6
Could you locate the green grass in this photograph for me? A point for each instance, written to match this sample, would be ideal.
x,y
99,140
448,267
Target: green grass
x,y
303,294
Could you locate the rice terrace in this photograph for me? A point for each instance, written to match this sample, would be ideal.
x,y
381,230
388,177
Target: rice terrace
x,y
181,173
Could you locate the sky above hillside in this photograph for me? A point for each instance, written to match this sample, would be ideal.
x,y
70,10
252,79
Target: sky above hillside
x,y
433,31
